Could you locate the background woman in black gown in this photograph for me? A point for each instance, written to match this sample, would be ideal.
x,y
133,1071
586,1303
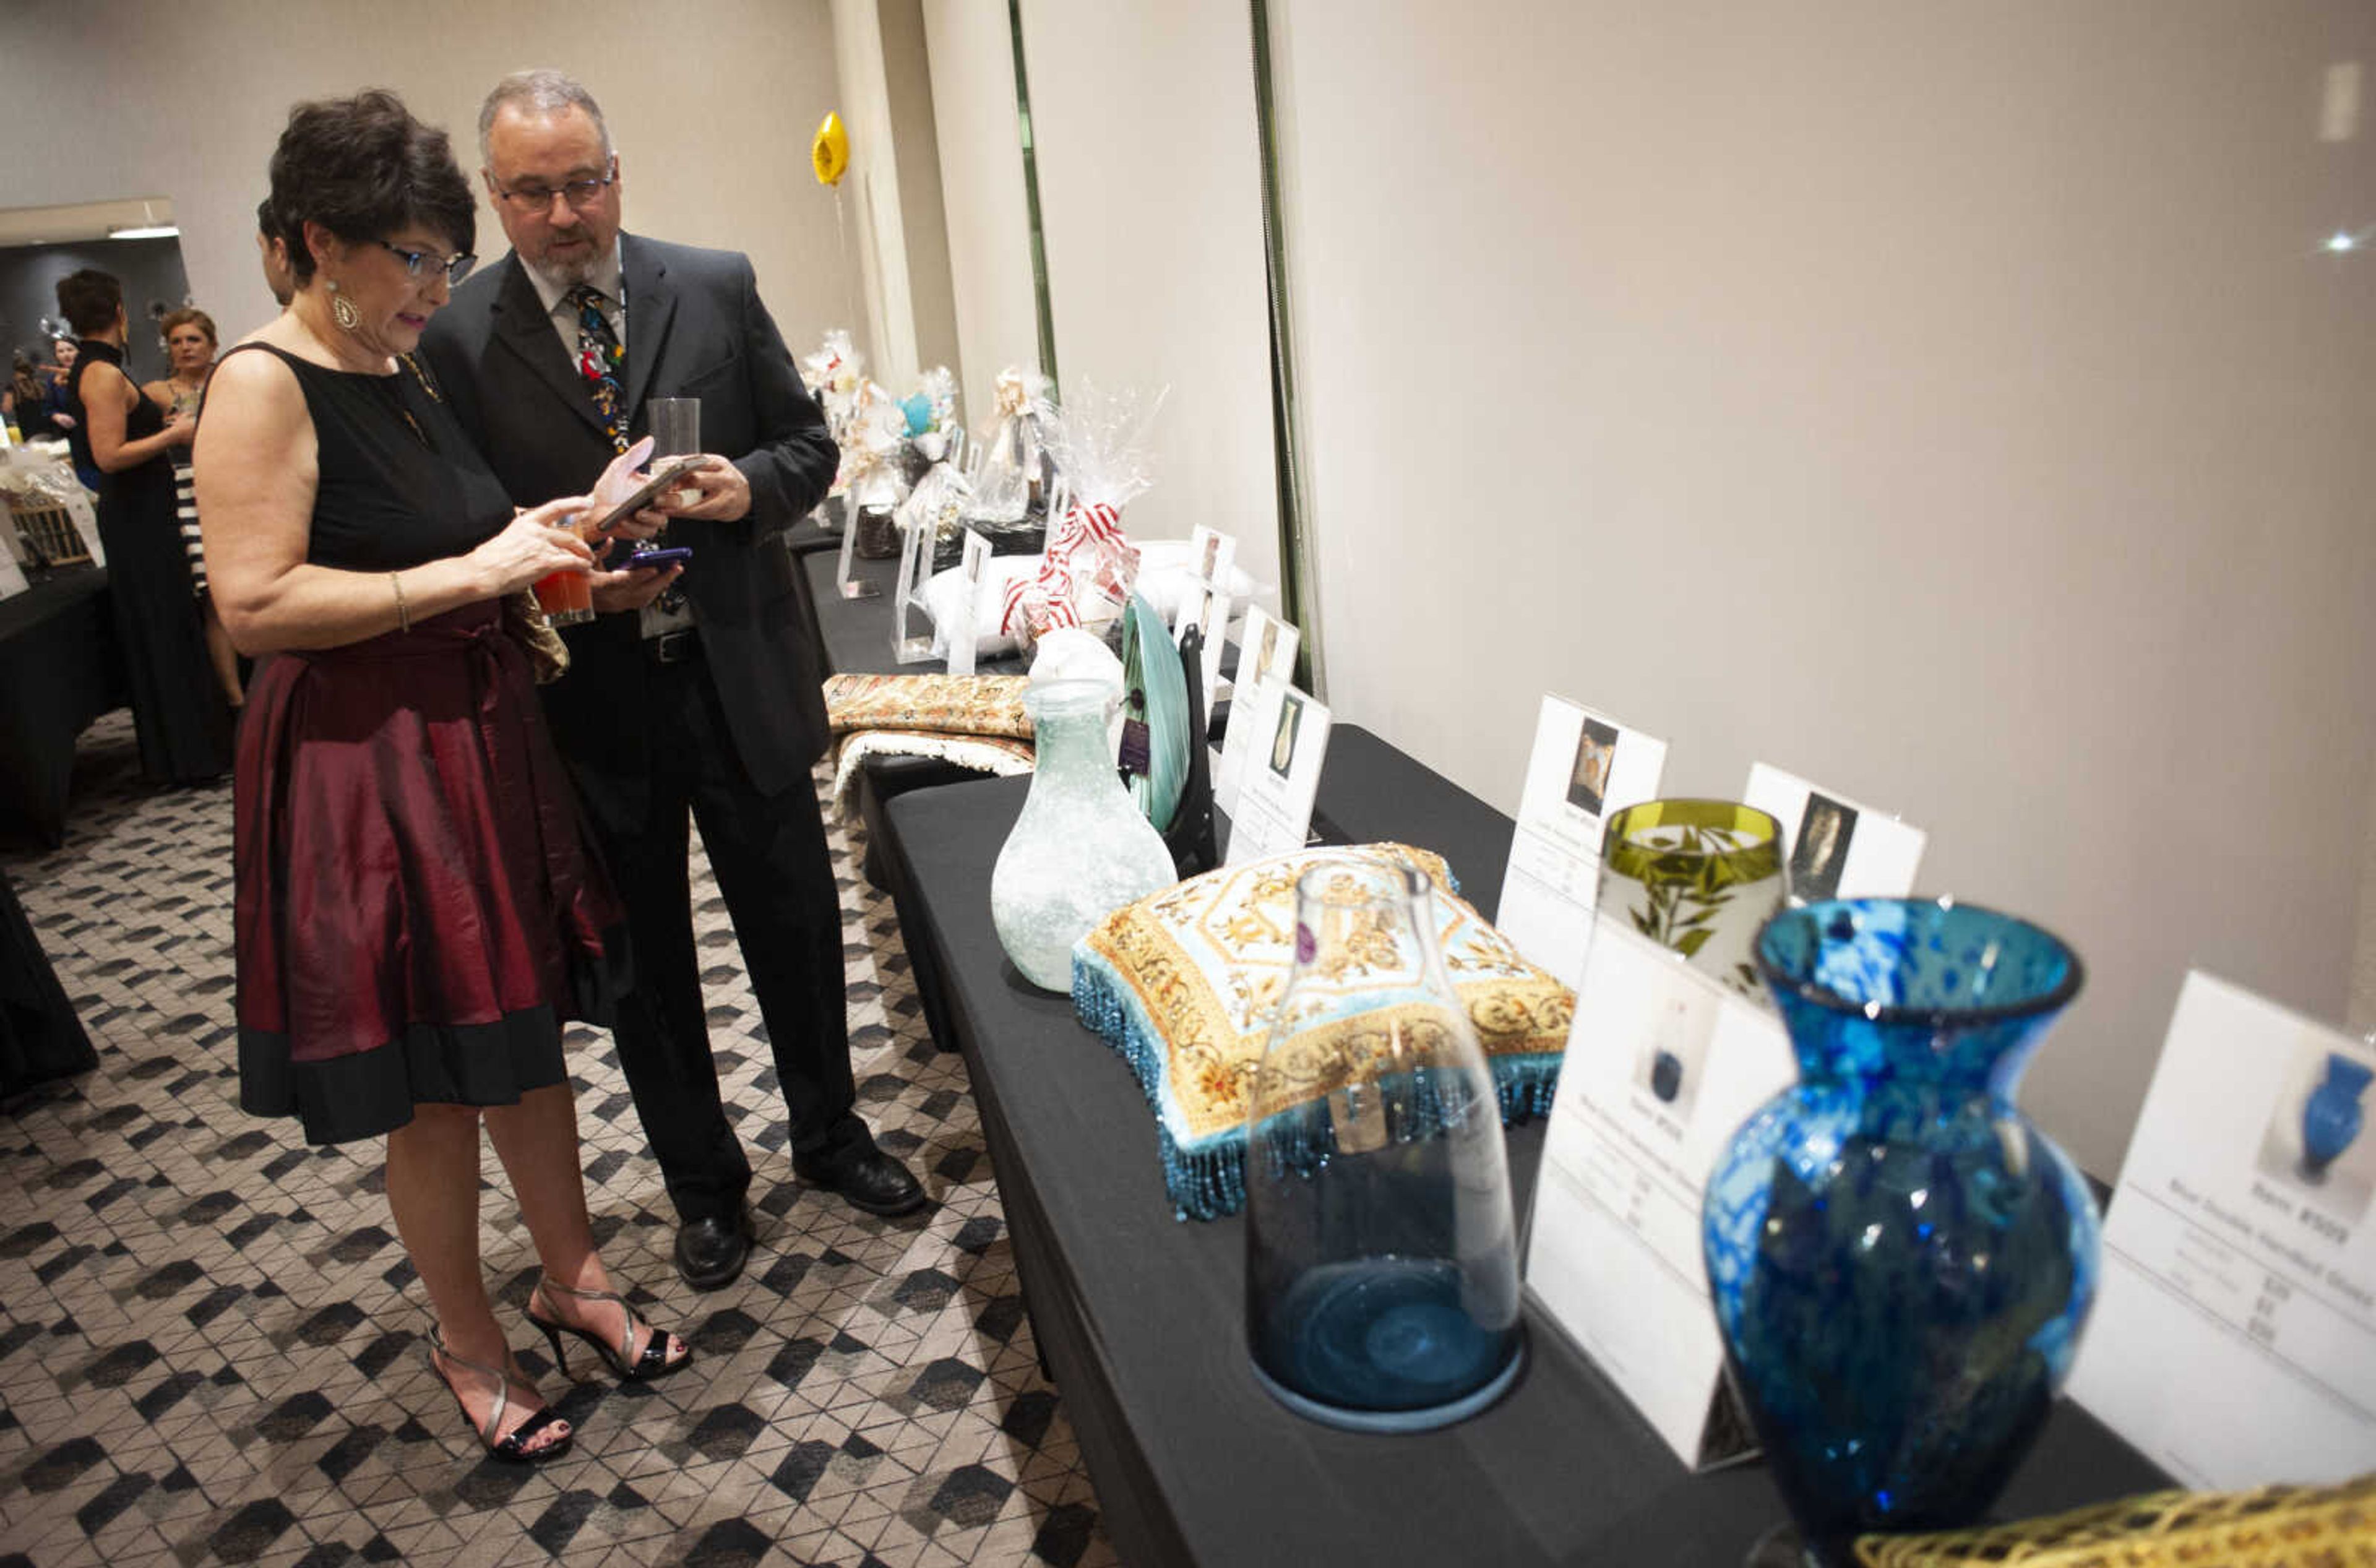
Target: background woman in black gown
x,y
417,916
177,710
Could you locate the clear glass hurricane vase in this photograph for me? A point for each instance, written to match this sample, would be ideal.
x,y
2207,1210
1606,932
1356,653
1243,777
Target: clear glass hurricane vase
x,y
1080,849
1382,1278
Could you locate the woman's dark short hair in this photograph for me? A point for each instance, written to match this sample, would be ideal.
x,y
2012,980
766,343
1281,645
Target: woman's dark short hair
x,y
189,315
90,299
363,168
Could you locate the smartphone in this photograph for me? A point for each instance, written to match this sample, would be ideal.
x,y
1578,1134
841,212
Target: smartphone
x,y
669,556
662,480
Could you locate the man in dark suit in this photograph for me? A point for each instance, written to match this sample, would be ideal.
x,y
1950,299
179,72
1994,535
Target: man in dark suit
x,y
705,699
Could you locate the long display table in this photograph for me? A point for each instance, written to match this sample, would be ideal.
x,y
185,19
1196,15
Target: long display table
x,y
58,672
1140,1316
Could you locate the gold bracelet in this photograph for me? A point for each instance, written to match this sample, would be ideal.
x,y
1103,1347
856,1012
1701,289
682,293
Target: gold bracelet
x,y
403,614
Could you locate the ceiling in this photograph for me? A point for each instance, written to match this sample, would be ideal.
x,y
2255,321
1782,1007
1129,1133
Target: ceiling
x,y
83,220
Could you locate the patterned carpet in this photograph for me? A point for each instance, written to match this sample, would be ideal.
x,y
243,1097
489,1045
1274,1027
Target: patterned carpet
x,y
211,1347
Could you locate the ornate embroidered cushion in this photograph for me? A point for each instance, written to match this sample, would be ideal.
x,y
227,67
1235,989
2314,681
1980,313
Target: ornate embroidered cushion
x,y
1185,985
949,704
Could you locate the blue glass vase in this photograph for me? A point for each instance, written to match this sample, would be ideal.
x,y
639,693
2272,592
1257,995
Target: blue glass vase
x,y
2330,1117
1900,1262
1382,1259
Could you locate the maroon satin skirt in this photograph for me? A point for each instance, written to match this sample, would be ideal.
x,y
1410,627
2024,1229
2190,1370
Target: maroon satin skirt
x,y
418,912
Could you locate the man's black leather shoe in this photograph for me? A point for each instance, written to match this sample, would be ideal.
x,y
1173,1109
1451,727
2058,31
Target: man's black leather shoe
x,y
710,1252
867,1179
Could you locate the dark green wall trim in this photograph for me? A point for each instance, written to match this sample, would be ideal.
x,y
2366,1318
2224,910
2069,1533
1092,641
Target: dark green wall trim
x,y
1032,196
1299,597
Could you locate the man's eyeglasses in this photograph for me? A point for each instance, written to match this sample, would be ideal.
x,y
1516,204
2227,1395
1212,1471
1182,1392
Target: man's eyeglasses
x,y
579,194
453,269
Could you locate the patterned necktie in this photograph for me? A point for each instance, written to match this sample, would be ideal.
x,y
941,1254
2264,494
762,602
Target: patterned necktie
x,y
600,360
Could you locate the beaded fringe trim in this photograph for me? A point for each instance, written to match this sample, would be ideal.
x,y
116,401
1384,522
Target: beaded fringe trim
x,y
1206,1179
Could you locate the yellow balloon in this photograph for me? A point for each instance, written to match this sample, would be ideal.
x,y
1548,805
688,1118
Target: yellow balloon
x,y
831,151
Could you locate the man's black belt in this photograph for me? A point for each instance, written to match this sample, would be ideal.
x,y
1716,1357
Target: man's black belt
x,y
673,647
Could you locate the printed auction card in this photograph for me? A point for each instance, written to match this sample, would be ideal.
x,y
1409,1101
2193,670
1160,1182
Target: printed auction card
x,y
1282,780
1267,656
1663,1064
2235,1339
1837,848
1585,766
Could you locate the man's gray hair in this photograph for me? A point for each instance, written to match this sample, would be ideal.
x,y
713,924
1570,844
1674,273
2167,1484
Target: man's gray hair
x,y
543,92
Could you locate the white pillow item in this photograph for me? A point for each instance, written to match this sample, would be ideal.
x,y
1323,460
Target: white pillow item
x,y
944,594
1166,571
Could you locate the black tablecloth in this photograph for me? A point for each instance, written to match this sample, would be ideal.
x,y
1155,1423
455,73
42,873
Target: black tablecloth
x,y
857,632
41,1038
1141,1316
58,672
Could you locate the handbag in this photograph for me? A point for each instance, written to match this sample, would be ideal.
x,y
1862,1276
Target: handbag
x,y
524,621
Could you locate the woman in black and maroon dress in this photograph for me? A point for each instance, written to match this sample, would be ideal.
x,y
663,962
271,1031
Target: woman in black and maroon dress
x,y
417,915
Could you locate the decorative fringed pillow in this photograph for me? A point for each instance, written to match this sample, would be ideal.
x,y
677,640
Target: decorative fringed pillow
x,y
948,705
1185,985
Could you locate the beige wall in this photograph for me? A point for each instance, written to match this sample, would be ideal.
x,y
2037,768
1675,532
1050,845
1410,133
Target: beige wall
x,y
1949,403
908,78
1152,198
989,220
711,103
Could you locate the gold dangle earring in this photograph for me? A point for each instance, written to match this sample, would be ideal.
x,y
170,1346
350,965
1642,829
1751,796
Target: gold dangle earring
x,y
342,309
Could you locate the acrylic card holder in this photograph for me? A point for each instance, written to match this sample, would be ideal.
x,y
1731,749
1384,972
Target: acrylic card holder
x,y
915,567
850,587
972,568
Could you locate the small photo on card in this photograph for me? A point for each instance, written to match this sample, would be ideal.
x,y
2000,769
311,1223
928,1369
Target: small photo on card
x,y
1819,850
1283,739
2316,1141
1671,1056
1587,778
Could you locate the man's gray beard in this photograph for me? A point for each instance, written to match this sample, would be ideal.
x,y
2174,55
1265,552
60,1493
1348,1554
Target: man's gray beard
x,y
567,275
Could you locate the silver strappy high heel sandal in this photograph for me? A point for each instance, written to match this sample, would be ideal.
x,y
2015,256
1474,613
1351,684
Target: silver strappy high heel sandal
x,y
653,1363
513,1446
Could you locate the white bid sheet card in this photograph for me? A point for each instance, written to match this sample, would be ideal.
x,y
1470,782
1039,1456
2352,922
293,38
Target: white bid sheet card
x,y
1585,766
2234,1342
1267,656
1273,809
973,566
1663,1064
1837,848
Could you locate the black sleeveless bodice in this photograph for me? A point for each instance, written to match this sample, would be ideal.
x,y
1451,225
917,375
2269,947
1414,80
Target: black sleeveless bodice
x,y
400,484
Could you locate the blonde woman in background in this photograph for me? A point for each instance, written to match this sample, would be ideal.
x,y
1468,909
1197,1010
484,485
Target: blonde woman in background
x,y
190,345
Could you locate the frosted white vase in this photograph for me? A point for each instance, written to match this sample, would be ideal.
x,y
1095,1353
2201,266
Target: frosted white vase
x,y
1080,851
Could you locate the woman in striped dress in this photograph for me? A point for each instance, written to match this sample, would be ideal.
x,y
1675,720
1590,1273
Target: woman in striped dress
x,y
190,349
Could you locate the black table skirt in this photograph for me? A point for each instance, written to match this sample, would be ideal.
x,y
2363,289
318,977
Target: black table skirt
x,y
1140,1316
58,672
41,1038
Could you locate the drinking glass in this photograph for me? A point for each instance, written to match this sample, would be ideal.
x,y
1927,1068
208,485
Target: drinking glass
x,y
567,598
675,426
1697,876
